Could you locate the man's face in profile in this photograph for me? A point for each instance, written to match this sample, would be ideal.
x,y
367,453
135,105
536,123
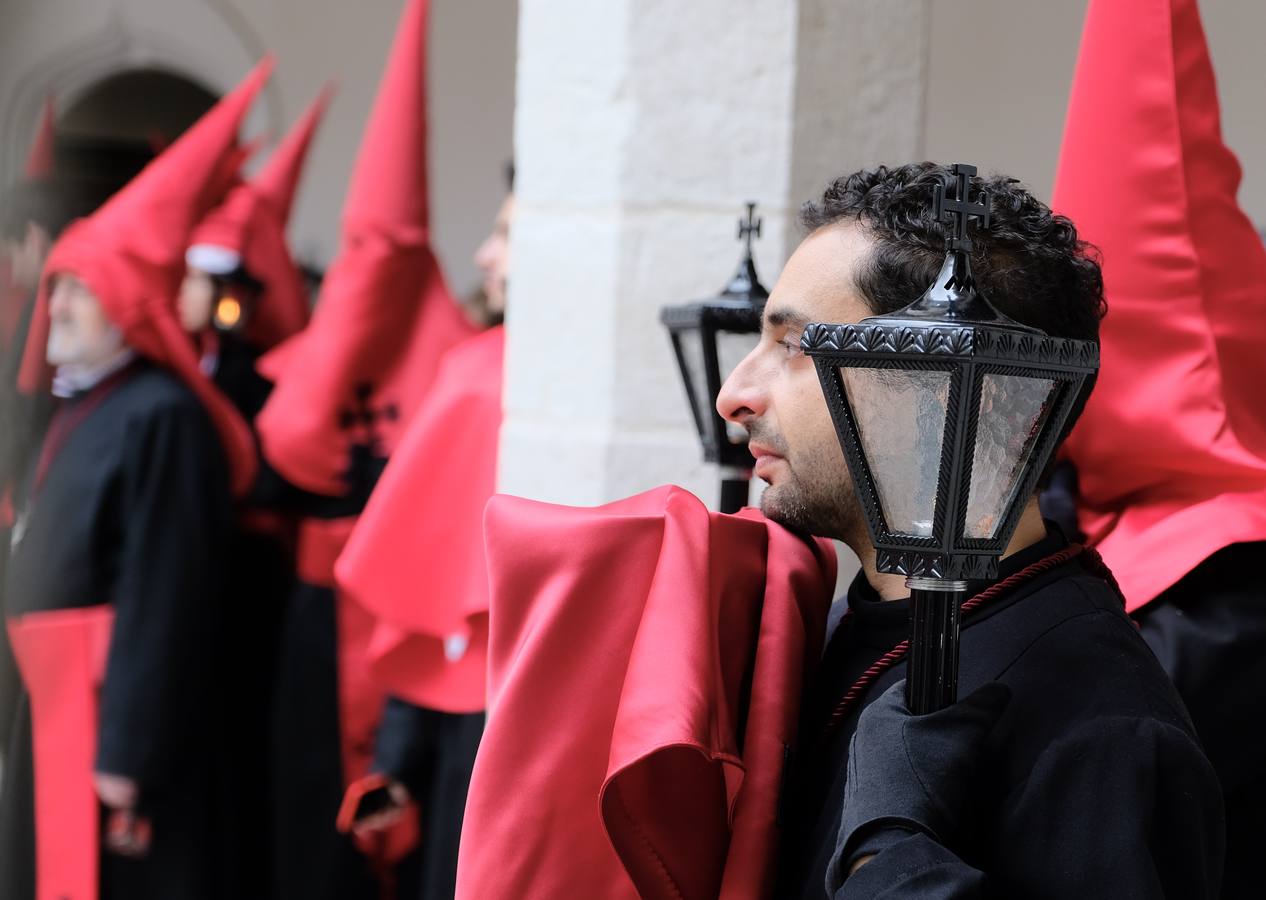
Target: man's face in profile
x,y
775,394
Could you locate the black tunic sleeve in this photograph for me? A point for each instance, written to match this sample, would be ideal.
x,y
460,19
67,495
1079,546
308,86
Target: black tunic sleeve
x,y
403,743
1117,807
174,511
913,865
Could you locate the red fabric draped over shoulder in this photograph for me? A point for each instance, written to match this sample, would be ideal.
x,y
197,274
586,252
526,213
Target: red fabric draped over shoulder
x,y
646,662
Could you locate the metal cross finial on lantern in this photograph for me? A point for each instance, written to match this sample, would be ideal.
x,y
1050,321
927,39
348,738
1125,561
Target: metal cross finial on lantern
x,y
749,228
947,411
959,209
710,337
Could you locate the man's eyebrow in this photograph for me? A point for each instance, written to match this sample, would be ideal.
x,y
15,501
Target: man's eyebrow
x,y
785,318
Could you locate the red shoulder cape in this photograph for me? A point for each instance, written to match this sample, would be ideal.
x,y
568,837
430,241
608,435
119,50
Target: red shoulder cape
x,y
624,754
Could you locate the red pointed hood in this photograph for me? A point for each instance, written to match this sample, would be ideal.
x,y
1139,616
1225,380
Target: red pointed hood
x,y
41,159
1171,450
131,253
645,663
251,225
385,314
415,560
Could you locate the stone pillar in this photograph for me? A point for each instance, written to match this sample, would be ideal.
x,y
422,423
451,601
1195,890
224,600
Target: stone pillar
x,y
641,127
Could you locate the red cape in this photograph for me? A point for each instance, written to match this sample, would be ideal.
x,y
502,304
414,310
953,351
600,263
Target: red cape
x,y
1171,450
62,657
415,560
621,641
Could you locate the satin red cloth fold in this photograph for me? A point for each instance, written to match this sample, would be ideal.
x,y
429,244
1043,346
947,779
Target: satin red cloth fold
x,y
1171,449
62,657
415,560
646,663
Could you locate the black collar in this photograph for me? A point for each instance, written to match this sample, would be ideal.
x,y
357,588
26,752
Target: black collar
x,y
884,623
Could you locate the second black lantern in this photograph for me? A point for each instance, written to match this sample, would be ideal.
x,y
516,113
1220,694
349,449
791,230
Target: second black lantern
x,y
710,337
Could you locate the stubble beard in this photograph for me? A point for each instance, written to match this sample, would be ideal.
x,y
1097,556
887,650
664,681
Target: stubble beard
x,y
814,500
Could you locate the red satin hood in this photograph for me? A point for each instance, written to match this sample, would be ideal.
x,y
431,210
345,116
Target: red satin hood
x,y
1171,450
634,649
385,315
131,254
252,223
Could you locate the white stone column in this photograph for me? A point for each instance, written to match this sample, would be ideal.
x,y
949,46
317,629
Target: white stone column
x,y
641,127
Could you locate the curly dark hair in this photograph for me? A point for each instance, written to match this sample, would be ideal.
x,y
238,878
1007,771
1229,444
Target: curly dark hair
x,y
1029,262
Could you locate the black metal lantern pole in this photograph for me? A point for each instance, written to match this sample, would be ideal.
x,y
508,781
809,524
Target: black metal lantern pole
x,y
947,412
709,338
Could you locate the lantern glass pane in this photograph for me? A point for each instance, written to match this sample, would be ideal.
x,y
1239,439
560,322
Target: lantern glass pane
x,y
900,416
1013,411
689,343
732,349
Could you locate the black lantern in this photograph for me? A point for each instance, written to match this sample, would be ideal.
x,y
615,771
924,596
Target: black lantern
x,y
710,337
947,411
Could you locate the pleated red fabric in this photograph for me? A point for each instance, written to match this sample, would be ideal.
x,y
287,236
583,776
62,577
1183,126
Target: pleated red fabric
x,y
646,661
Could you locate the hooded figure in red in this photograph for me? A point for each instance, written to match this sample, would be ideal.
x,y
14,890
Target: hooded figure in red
x,y
415,564
110,589
242,294
385,315
130,251
646,660
346,387
247,233
1170,452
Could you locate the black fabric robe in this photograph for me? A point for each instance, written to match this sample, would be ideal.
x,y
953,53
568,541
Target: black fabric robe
x,y
258,580
432,753
1209,632
134,512
312,860
22,423
1093,784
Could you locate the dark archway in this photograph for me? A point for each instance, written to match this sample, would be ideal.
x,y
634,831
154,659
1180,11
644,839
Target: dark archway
x,y
115,127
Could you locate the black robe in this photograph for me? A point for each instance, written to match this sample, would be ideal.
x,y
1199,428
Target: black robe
x,y
433,754
1209,632
22,423
1093,783
312,859
134,512
258,581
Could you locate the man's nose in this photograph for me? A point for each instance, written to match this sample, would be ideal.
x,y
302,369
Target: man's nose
x,y
58,302
743,397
